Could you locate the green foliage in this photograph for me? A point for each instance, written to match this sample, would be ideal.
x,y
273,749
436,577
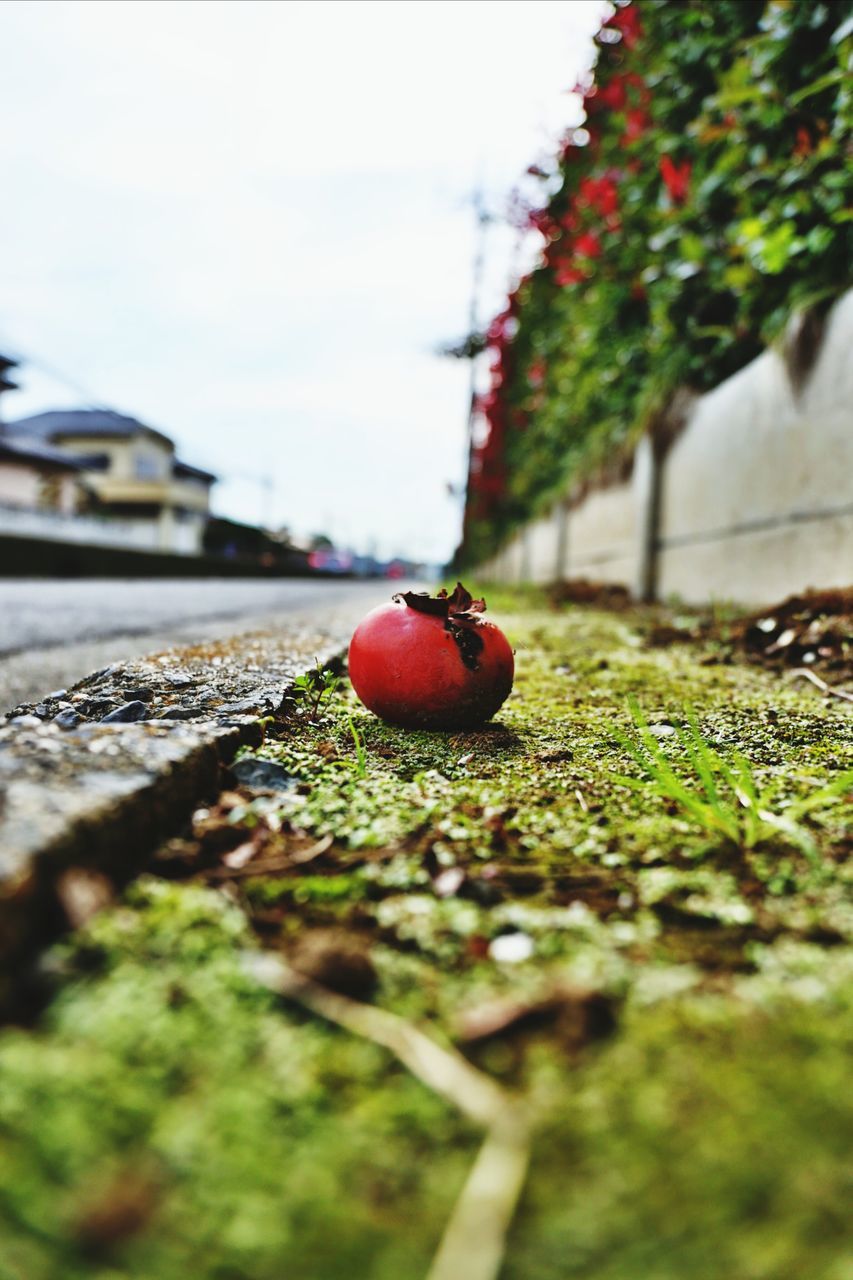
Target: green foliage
x,y
721,132
170,1119
360,752
707,1143
723,798
167,1116
314,688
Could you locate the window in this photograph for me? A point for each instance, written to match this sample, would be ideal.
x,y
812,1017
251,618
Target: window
x,y
147,467
50,492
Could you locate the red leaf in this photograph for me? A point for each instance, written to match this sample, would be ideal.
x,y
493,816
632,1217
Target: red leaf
x,y
676,178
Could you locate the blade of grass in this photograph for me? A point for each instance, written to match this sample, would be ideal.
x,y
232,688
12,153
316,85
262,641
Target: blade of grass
x,y
710,815
360,752
818,799
745,819
702,757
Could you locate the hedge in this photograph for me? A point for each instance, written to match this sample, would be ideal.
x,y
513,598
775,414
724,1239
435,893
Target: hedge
x,y
707,194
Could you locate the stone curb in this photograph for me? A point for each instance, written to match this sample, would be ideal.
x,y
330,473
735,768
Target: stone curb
x,y
95,777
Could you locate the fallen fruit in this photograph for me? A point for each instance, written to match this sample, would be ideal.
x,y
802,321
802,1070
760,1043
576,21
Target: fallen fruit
x,y
431,662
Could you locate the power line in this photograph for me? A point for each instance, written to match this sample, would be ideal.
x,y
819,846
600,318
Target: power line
x,y
265,482
91,401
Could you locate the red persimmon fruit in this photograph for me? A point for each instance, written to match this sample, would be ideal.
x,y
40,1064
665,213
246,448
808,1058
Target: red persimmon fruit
x,y
431,662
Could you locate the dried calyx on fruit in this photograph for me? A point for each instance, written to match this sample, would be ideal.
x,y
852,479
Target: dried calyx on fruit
x,y
460,612
431,662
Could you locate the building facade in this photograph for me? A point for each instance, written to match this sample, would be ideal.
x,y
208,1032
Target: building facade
x,y
127,476
38,478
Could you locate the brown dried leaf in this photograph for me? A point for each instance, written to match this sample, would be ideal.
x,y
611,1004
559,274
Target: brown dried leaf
x,y
120,1210
582,1015
241,855
338,960
82,893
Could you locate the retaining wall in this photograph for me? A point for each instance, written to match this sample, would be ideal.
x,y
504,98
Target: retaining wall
x,y
752,501
39,558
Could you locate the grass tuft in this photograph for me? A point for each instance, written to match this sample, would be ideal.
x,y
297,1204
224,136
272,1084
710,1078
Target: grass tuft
x,y
722,798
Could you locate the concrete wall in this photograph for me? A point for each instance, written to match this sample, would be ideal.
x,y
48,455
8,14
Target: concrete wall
x,y
542,547
599,537
139,535
753,500
757,492
23,557
603,536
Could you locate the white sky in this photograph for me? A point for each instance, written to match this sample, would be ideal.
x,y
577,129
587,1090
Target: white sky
x,y
245,223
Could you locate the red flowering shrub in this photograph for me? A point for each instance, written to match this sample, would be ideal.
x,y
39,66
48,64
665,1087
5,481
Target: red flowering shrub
x,y
676,178
587,246
707,193
566,274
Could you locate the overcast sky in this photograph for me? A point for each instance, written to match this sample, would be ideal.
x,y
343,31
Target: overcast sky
x,y
246,224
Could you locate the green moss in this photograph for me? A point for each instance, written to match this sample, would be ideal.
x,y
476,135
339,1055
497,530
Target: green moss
x,y
553,756
710,1141
168,1117
258,1143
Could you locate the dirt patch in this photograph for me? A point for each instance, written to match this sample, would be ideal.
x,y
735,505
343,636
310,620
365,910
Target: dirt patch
x,y
813,630
604,595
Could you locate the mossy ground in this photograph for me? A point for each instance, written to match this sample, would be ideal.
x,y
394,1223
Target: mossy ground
x,y
676,1008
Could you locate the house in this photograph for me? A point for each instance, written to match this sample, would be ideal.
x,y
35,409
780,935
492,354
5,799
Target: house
x,y
36,477
128,472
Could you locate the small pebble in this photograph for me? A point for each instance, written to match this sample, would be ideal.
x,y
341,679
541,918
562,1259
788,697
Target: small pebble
x,y
511,948
142,694
661,730
262,775
244,706
448,882
126,714
67,719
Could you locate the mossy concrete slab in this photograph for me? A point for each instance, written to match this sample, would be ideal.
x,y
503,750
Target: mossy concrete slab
x,y
95,776
673,1005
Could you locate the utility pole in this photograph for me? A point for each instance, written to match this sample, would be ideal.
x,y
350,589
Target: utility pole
x,y
265,482
6,383
482,218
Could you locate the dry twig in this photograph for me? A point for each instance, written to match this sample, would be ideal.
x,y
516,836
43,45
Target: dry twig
x,y
474,1239
270,865
826,689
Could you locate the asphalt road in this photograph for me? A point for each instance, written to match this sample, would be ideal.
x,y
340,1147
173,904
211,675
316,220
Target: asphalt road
x,y
54,633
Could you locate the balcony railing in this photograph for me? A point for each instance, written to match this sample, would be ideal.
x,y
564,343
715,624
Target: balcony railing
x,y
56,526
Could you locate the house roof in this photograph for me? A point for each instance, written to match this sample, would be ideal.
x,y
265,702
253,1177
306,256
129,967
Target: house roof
x,y
185,469
196,473
60,423
34,451
92,461
64,424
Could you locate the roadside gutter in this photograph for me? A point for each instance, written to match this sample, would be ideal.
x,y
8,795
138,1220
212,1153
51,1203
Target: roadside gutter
x,y
94,777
